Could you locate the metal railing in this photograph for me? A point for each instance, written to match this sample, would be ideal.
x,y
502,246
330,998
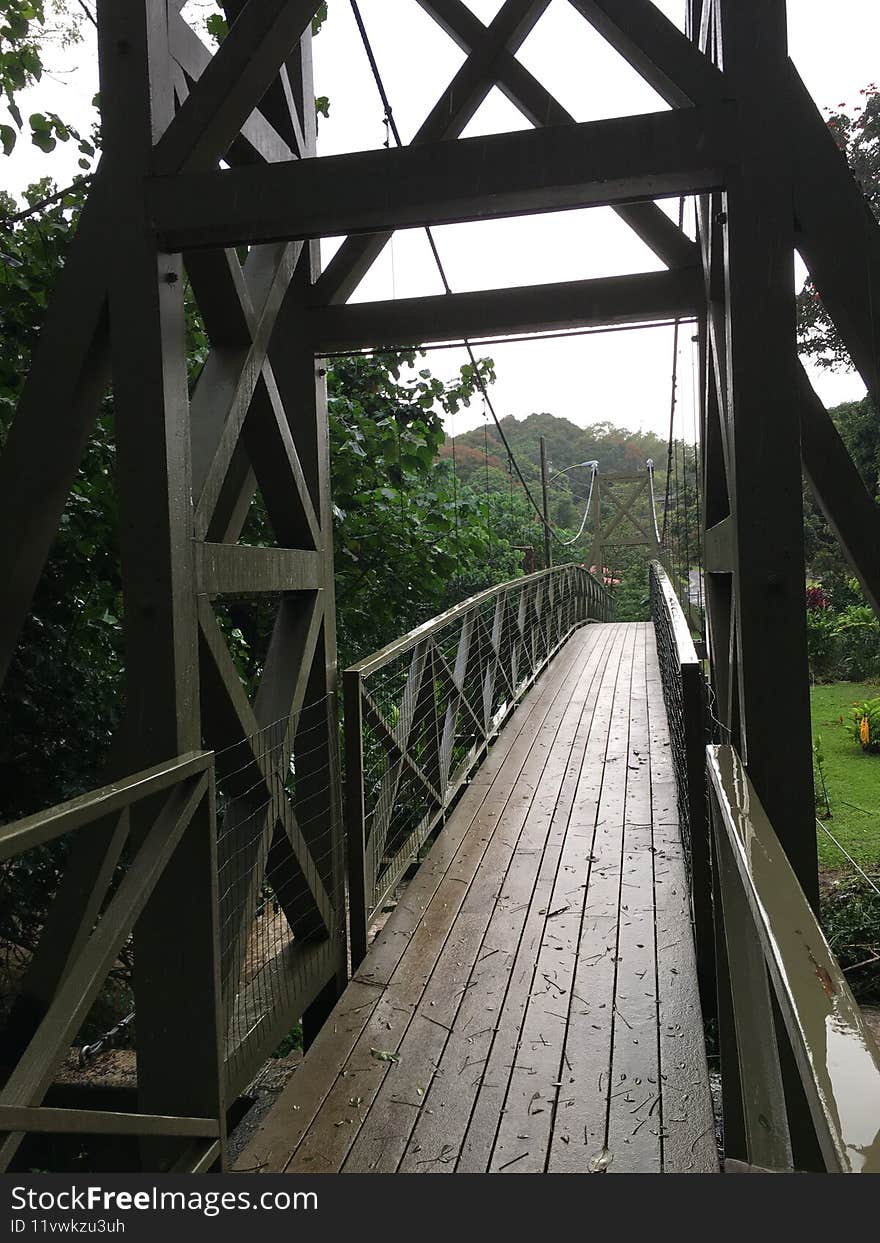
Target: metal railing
x,y
684,695
280,881
769,939
144,820
421,713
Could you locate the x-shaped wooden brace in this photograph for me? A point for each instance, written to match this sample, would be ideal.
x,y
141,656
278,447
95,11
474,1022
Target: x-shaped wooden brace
x,y
637,486
416,720
260,820
492,61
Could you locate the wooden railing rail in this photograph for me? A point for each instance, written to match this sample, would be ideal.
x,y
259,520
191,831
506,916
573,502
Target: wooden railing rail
x,y
684,694
157,812
771,947
421,713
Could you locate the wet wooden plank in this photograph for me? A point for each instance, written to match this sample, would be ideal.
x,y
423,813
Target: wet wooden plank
x,y
634,1113
325,1144
284,1127
508,954
385,1132
580,1136
507,1048
537,980
540,1071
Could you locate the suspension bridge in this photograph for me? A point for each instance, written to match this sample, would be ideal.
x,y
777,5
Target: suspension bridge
x,y
593,838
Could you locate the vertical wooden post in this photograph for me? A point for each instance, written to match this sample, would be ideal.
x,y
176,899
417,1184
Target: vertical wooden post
x,y
303,385
548,547
763,435
358,873
176,972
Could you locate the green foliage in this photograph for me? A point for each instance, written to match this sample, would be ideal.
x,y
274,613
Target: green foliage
x,y
292,1041
820,783
851,921
64,686
843,645
866,724
402,529
857,133
24,31
632,599
850,775
319,19
217,27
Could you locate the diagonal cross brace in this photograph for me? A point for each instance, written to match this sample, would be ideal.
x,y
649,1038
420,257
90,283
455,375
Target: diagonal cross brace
x,y
491,60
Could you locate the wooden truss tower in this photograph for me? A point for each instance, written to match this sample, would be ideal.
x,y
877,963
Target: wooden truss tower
x,y
741,135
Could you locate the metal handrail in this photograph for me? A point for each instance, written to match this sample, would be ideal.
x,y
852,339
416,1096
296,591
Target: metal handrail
x,y
768,922
406,642
421,713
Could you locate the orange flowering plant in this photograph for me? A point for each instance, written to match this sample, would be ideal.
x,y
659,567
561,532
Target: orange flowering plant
x,y
866,724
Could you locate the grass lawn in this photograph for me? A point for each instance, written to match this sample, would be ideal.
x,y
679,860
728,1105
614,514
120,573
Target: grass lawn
x,y
852,776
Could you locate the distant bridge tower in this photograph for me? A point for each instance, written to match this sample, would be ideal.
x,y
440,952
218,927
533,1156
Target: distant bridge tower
x,y
624,514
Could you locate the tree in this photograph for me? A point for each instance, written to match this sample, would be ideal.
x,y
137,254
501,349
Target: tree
x,y
857,134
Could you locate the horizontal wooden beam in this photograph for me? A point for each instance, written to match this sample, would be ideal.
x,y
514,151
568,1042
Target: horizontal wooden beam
x,y
50,1121
536,103
625,159
240,569
494,312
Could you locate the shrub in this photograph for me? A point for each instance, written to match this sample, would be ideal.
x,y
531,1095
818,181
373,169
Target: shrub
x,y
851,919
845,645
866,724
821,644
858,642
817,599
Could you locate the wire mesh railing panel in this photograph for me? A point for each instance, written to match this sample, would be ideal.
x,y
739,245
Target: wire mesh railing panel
x,y
280,879
68,988
421,714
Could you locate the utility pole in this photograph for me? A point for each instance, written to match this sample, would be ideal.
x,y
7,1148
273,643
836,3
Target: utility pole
x,y
548,550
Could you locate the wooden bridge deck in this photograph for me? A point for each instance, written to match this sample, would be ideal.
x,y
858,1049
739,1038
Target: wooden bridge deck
x,y
531,1005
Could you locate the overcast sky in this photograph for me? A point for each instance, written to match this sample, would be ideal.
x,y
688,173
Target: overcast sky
x,y
623,377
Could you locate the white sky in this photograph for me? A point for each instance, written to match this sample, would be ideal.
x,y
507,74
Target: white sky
x,y
623,377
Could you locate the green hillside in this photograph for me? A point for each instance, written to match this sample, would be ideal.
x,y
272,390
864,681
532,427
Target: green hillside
x,y
617,449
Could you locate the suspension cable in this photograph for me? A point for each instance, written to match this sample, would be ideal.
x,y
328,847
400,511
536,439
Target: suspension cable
x,y
481,384
650,465
594,466
847,856
675,331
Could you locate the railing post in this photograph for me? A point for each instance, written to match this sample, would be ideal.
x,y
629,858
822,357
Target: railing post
x,y
354,817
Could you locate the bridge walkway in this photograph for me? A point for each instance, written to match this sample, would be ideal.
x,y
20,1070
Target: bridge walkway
x,y
531,1004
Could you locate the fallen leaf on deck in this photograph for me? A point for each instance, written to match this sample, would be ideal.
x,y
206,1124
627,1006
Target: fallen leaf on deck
x,y
383,1055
